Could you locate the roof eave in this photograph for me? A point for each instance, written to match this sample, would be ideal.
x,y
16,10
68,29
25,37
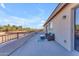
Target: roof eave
x,y
60,5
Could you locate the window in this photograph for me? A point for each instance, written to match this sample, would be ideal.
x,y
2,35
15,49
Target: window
x,y
51,25
76,29
46,30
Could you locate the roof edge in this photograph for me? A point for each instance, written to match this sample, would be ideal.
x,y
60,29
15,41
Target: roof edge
x,y
56,10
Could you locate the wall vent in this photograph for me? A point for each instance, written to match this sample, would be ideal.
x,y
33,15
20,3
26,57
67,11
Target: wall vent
x,y
65,41
64,17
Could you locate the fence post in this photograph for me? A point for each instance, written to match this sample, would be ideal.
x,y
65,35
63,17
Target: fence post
x,y
2,38
5,38
10,36
17,35
24,34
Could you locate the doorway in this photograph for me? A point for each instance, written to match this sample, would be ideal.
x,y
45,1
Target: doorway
x,y
76,26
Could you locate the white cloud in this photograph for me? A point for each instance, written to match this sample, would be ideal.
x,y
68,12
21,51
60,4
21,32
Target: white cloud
x,y
34,22
2,5
41,23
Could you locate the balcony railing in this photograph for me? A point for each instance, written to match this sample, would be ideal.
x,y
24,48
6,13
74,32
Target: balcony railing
x,y
11,36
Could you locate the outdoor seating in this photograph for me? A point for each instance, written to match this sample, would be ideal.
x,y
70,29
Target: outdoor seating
x,y
50,36
42,37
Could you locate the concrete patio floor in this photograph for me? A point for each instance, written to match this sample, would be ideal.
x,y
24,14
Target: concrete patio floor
x,y
37,47
9,47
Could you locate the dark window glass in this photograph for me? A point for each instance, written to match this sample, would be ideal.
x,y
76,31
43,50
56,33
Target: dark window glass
x,y
76,29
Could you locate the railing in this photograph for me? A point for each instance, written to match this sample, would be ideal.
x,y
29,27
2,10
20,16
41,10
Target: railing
x,y
11,36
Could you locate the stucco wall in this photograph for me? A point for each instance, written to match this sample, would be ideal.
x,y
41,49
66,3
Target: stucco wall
x,y
62,27
49,27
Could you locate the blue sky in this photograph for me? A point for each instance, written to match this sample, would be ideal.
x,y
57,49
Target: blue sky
x,y
26,14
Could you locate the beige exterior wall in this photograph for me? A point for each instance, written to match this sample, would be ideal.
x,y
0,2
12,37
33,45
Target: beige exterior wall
x,y
49,27
63,28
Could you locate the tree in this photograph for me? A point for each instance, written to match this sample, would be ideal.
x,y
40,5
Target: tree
x,y
9,27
